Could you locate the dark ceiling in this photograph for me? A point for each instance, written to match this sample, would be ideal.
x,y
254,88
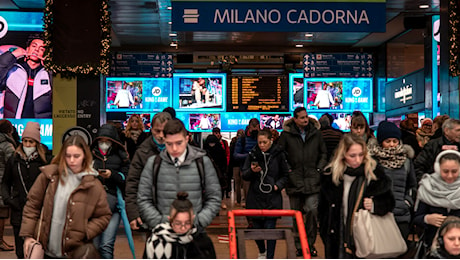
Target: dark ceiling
x,y
143,25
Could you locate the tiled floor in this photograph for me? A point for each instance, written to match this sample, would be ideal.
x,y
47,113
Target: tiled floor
x,y
218,227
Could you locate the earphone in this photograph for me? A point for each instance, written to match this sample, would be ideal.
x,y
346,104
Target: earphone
x,y
441,228
437,167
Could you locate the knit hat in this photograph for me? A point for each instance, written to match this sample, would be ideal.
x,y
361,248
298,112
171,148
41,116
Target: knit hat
x,y
387,130
32,131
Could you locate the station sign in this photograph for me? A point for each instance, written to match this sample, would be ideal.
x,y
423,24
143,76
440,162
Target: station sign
x,y
405,91
348,65
279,16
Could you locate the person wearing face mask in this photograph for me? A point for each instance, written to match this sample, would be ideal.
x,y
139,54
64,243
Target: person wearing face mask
x,y
395,159
111,160
21,171
266,168
243,145
350,168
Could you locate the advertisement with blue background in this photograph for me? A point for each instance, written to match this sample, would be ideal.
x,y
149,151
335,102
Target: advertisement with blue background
x,y
46,129
279,16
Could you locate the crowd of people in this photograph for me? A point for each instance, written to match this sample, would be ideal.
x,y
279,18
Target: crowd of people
x,y
72,204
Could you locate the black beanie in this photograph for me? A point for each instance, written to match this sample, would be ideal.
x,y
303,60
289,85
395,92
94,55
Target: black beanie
x,y
387,130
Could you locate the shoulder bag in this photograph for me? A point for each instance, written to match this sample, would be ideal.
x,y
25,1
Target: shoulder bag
x,y
36,250
376,236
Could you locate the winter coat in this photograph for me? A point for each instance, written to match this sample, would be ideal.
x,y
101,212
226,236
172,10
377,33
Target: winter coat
x,y
404,186
424,209
306,158
143,153
116,159
87,210
330,213
425,160
7,147
243,146
274,164
154,202
131,145
331,138
13,192
13,78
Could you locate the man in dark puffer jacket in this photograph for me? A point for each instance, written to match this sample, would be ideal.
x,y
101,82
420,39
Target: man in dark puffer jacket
x,y
306,153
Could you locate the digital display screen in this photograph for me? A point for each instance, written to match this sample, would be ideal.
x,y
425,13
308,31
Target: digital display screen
x,y
199,91
296,90
46,129
273,121
138,94
262,93
146,121
342,121
338,94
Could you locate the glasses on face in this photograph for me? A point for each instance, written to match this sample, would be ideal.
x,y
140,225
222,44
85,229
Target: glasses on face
x,y
181,225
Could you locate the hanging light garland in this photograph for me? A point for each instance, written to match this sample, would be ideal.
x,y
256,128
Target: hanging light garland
x,y
86,69
453,39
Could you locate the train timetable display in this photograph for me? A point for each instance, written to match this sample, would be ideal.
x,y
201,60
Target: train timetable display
x,y
258,93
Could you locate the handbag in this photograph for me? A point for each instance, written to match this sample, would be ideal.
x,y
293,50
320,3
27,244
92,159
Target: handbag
x,y
36,250
376,236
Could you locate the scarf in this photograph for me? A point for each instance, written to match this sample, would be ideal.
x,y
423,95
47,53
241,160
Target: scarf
x,y
160,244
134,134
161,147
26,158
392,158
434,191
355,171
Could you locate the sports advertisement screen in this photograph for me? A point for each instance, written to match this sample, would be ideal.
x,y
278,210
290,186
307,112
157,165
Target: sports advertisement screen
x,y
339,94
199,91
138,94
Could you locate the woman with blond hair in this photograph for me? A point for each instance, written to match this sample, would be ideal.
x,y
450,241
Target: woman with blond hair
x,y
66,205
134,134
351,168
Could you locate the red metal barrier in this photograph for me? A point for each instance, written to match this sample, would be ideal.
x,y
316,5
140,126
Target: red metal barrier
x,y
266,213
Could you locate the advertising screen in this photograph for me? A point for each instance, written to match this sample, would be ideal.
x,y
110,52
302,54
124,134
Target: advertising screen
x,y
138,94
296,90
199,91
273,121
339,94
258,93
342,121
46,129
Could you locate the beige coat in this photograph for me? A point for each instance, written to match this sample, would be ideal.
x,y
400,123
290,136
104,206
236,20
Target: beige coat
x,y
88,213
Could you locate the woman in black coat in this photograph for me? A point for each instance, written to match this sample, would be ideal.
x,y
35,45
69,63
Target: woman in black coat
x,y
267,169
21,170
112,162
350,167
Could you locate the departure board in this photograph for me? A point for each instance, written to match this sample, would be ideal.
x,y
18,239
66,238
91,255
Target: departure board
x,y
257,93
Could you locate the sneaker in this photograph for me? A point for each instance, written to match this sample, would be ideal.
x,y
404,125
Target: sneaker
x,y
223,205
262,255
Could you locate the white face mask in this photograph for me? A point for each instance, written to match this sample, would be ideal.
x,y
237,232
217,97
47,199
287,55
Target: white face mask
x,y
29,150
104,146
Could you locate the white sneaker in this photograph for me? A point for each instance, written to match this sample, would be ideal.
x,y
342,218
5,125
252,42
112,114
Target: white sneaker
x,y
262,255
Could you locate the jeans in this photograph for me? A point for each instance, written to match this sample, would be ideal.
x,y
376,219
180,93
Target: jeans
x,y
308,205
105,242
267,223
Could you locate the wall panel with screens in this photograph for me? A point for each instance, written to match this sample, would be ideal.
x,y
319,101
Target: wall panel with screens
x,y
258,93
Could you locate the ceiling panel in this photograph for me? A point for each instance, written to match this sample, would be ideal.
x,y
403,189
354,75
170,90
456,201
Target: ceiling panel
x,y
139,24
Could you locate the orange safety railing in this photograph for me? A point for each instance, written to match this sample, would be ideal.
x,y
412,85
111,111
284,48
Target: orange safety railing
x,y
266,213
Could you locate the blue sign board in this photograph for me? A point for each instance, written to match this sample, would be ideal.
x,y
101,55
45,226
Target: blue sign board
x,y
46,129
266,16
350,65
